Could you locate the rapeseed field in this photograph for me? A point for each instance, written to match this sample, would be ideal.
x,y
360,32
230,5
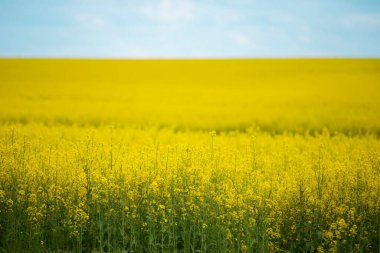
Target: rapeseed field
x,y
189,155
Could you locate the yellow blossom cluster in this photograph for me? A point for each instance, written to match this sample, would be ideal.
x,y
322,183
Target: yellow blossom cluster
x,y
121,188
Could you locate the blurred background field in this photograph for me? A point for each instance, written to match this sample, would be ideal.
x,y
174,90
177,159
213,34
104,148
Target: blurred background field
x,y
274,95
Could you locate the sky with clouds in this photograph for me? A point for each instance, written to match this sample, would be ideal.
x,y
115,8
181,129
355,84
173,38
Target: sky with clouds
x,y
189,28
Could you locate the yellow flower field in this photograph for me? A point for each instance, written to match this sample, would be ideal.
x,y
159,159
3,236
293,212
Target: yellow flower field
x,y
189,155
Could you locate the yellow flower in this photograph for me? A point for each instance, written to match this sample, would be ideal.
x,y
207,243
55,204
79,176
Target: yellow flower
x,y
353,231
320,249
229,235
328,235
342,224
243,247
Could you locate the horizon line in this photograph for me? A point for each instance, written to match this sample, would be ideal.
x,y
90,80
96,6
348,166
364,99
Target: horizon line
x,y
190,58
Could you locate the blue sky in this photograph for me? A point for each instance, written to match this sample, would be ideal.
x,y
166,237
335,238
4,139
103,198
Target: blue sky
x,y
189,28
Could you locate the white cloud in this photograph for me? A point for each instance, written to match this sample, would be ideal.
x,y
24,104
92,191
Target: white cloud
x,y
304,39
364,20
240,39
170,10
90,20
279,16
